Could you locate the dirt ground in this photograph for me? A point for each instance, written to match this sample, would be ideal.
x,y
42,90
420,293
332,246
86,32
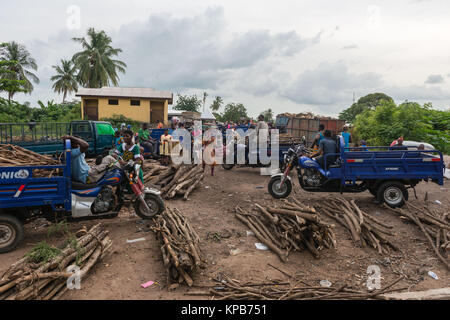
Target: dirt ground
x,y
211,212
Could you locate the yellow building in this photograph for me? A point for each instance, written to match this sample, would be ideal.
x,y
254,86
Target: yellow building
x,y
140,104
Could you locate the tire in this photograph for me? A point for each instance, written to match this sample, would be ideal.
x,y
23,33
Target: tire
x,y
155,203
11,233
274,187
227,166
393,193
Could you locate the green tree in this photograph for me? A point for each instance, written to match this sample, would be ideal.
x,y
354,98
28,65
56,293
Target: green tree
x,y
96,64
234,112
9,85
19,70
217,103
368,102
65,79
268,115
188,103
387,122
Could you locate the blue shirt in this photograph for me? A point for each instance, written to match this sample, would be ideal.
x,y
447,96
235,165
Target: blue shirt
x,y
321,137
346,136
79,167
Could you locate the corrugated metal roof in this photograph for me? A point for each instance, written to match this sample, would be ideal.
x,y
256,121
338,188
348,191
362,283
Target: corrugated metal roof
x,y
125,92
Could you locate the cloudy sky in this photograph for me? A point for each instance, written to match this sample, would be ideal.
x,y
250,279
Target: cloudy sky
x,y
288,55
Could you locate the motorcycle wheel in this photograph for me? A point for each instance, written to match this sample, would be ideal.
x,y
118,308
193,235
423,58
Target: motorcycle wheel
x,y
276,191
154,202
227,166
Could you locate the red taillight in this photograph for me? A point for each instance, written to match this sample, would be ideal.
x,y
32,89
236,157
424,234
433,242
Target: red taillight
x,y
431,159
354,160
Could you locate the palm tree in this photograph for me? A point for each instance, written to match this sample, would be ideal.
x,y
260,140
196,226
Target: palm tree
x,y
217,103
95,64
65,79
13,51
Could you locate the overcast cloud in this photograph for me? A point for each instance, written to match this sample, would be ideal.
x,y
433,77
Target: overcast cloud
x,y
287,55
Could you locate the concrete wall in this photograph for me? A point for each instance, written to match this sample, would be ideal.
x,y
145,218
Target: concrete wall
x,y
138,113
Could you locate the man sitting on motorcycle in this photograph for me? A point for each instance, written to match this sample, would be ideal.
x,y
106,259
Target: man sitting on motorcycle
x,y
326,146
130,151
81,171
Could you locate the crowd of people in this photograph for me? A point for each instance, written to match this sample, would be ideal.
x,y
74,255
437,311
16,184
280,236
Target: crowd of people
x,y
131,146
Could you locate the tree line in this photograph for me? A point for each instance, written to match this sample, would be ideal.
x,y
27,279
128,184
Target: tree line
x,y
95,66
376,119
232,112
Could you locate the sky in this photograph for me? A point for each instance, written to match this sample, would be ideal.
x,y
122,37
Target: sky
x,y
288,55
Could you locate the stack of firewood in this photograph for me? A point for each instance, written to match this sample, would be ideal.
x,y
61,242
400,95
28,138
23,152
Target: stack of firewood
x,y
364,228
179,246
434,225
34,277
174,180
293,226
15,156
232,289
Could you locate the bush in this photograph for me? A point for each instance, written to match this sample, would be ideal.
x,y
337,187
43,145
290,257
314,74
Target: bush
x,y
116,120
12,111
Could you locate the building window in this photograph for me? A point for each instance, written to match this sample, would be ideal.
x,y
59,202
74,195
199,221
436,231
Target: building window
x,y
113,102
135,102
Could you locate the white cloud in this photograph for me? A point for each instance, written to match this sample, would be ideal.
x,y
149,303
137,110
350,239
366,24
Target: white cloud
x,y
329,84
434,79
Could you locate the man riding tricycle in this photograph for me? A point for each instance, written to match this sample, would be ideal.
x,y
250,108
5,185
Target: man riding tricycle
x,y
385,172
25,195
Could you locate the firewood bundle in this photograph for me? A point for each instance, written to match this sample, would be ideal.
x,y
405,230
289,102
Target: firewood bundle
x,y
174,180
364,228
15,156
179,246
435,227
232,289
34,277
293,226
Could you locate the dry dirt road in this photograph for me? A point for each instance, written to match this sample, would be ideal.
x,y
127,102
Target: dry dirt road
x,y
211,212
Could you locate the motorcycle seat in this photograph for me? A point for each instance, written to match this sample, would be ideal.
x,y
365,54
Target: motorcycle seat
x,y
82,186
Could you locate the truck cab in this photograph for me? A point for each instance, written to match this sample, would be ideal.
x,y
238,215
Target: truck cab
x,y
45,138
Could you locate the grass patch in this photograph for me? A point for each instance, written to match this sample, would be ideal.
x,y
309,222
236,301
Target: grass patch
x,y
42,253
61,227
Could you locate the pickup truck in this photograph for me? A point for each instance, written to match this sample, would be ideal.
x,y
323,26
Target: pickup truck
x,y
45,137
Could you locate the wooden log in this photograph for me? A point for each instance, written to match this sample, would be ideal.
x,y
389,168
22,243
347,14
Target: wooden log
x,y
267,242
307,216
193,186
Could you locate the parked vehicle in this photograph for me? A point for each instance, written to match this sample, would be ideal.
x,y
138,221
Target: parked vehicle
x,y
24,197
282,150
45,138
297,126
386,174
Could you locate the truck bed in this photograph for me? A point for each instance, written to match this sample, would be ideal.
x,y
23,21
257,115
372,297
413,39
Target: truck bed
x,y
393,164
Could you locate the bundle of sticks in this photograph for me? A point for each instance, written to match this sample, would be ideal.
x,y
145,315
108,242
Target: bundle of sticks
x,y
293,226
28,279
435,227
364,228
15,156
232,289
179,246
174,180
